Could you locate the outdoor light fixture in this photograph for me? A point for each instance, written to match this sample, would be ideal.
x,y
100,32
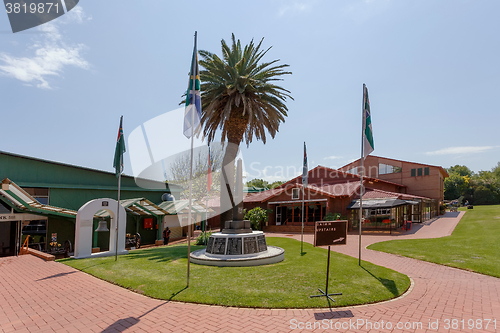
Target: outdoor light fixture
x,y
103,226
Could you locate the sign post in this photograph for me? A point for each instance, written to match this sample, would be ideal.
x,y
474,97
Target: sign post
x,y
327,233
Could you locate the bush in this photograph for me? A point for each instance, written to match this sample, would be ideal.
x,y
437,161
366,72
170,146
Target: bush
x,y
257,216
332,216
203,238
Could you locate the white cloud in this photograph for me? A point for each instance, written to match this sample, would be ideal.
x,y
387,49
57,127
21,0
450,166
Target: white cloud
x,y
50,55
76,15
290,8
460,150
333,157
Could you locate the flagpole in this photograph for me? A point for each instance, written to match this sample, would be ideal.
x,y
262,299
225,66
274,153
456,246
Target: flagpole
x,y
206,220
361,172
193,101
118,214
118,164
208,193
302,229
303,194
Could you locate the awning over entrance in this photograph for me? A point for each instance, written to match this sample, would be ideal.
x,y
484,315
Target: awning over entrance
x,y
19,199
139,207
381,203
182,207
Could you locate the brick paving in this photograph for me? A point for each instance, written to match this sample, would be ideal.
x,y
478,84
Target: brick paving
x,y
40,296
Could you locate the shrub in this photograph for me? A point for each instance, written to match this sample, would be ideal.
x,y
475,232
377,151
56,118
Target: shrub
x,y
332,216
257,216
203,238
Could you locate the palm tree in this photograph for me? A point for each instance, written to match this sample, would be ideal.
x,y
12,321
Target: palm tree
x,y
239,97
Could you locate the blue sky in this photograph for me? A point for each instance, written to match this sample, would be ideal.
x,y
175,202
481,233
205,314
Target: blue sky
x,y
431,68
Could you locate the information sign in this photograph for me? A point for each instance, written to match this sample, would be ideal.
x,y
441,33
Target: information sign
x,y
328,233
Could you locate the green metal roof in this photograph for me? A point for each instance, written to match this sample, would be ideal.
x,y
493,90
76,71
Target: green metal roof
x,y
18,198
138,206
36,172
254,189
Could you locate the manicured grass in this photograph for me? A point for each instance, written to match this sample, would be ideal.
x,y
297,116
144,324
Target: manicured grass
x,y
161,273
474,244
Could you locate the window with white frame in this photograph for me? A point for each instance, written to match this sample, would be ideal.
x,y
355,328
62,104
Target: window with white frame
x,y
384,169
295,193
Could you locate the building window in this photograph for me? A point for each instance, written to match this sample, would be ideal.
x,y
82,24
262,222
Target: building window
x,y
291,214
384,169
295,193
353,170
413,172
40,194
419,172
426,171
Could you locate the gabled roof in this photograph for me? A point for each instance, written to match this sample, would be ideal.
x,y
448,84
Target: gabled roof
x,y
443,171
371,193
18,198
145,184
322,180
264,195
324,175
333,190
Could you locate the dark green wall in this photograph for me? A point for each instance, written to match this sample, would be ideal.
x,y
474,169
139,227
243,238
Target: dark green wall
x,y
65,229
71,186
75,198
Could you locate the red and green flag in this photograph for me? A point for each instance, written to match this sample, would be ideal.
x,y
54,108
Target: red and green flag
x,y
119,150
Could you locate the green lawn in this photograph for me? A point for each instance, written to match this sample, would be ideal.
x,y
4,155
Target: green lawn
x,y
161,273
474,245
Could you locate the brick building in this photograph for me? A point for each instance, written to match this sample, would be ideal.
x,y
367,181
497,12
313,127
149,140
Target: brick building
x,y
396,190
419,179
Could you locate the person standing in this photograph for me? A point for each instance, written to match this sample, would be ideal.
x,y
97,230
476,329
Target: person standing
x,y
166,236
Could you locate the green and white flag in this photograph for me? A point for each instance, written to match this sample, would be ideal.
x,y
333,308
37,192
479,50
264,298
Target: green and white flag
x,y
367,125
304,168
119,150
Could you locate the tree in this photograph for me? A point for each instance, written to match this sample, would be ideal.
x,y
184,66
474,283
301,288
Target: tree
x,y
178,171
459,183
460,170
455,186
487,187
276,184
480,188
240,98
261,183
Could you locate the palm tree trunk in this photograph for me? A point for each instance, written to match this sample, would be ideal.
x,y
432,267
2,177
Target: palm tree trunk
x,y
237,126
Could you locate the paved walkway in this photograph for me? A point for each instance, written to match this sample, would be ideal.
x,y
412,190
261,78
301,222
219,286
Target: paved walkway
x,y
39,296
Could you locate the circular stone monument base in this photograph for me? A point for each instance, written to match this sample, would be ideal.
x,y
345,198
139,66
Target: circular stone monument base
x,y
273,255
